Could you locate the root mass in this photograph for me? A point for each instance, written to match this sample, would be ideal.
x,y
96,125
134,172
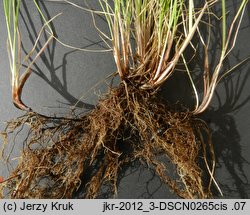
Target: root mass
x,y
61,156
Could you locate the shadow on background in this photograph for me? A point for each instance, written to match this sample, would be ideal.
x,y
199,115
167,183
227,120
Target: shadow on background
x,y
226,138
48,57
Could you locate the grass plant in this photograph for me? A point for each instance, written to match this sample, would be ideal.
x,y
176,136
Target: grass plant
x,y
149,39
11,12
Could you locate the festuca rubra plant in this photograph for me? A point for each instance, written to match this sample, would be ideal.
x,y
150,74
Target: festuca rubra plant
x,y
149,39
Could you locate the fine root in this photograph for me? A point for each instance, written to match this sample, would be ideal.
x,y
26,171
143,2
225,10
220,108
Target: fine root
x,y
62,155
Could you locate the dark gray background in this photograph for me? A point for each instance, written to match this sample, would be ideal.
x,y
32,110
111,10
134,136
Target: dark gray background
x,y
62,76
